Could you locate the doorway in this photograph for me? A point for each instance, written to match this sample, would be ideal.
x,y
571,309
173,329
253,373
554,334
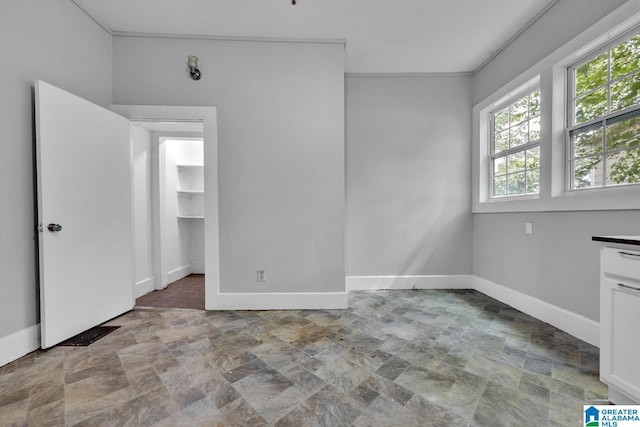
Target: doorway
x,y
169,213
207,117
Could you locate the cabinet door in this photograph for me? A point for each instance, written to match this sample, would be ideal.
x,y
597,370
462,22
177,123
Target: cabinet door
x,y
620,339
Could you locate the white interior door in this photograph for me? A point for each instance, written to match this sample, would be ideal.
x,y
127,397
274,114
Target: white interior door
x,y
84,186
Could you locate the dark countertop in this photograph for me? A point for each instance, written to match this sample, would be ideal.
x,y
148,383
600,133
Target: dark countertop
x,y
623,240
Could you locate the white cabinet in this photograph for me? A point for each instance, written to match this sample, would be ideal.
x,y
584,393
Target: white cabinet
x,y
620,324
190,192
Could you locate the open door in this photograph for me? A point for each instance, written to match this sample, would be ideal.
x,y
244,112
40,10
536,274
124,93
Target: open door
x,y
85,215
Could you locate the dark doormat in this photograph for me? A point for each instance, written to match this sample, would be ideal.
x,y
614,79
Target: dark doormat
x,y
89,336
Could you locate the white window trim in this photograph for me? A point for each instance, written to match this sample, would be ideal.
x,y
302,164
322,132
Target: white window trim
x,y
551,72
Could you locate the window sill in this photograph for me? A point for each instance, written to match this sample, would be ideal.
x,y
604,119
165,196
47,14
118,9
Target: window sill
x,y
508,199
595,199
507,204
626,197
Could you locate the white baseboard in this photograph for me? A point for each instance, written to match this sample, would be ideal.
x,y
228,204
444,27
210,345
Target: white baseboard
x,y
178,273
144,286
19,343
572,323
280,301
621,398
197,268
367,283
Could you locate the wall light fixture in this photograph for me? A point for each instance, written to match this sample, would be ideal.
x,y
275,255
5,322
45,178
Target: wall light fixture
x,y
192,63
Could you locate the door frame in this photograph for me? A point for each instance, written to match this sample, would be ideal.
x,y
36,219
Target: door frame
x,y
208,116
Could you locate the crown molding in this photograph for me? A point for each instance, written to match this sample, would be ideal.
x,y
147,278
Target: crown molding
x,y
426,74
515,36
228,38
100,24
115,33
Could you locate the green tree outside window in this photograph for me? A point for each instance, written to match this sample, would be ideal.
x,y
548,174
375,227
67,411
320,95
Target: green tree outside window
x,y
607,152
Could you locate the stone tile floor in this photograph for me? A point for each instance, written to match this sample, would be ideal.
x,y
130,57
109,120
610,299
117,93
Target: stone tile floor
x,y
394,358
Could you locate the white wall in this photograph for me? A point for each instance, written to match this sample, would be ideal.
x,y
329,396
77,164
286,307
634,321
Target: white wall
x,y
53,41
281,149
559,263
197,258
176,234
143,239
408,176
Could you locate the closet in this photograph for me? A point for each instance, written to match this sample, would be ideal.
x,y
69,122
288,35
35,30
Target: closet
x,y
169,203
183,240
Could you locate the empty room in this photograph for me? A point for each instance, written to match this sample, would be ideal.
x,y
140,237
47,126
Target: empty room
x,y
319,213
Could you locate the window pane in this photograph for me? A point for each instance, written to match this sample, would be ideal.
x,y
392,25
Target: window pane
x,y
516,183
623,167
501,141
625,58
501,120
534,104
623,134
519,111
587,142
591,106
625,92
591,75
513,126
533,182
533,158
516,162
500,186
519,134
500,166
534,129
588,173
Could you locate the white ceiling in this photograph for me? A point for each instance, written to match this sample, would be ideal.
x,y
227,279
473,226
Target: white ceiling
x,y
382,36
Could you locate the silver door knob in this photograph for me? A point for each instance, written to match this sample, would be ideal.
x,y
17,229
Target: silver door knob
x,y
54,227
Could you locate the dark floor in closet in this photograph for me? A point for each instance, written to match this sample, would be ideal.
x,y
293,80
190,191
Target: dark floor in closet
x,y
184,293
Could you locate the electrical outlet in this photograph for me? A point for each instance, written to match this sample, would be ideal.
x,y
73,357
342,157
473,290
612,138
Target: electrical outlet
x,y
262,275
528,228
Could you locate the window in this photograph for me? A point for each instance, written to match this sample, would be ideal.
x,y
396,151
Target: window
x,y
582,102
604,117
515,148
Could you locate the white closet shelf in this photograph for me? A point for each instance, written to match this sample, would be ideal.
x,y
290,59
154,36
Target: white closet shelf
x,y
190,192
190,217
195,167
